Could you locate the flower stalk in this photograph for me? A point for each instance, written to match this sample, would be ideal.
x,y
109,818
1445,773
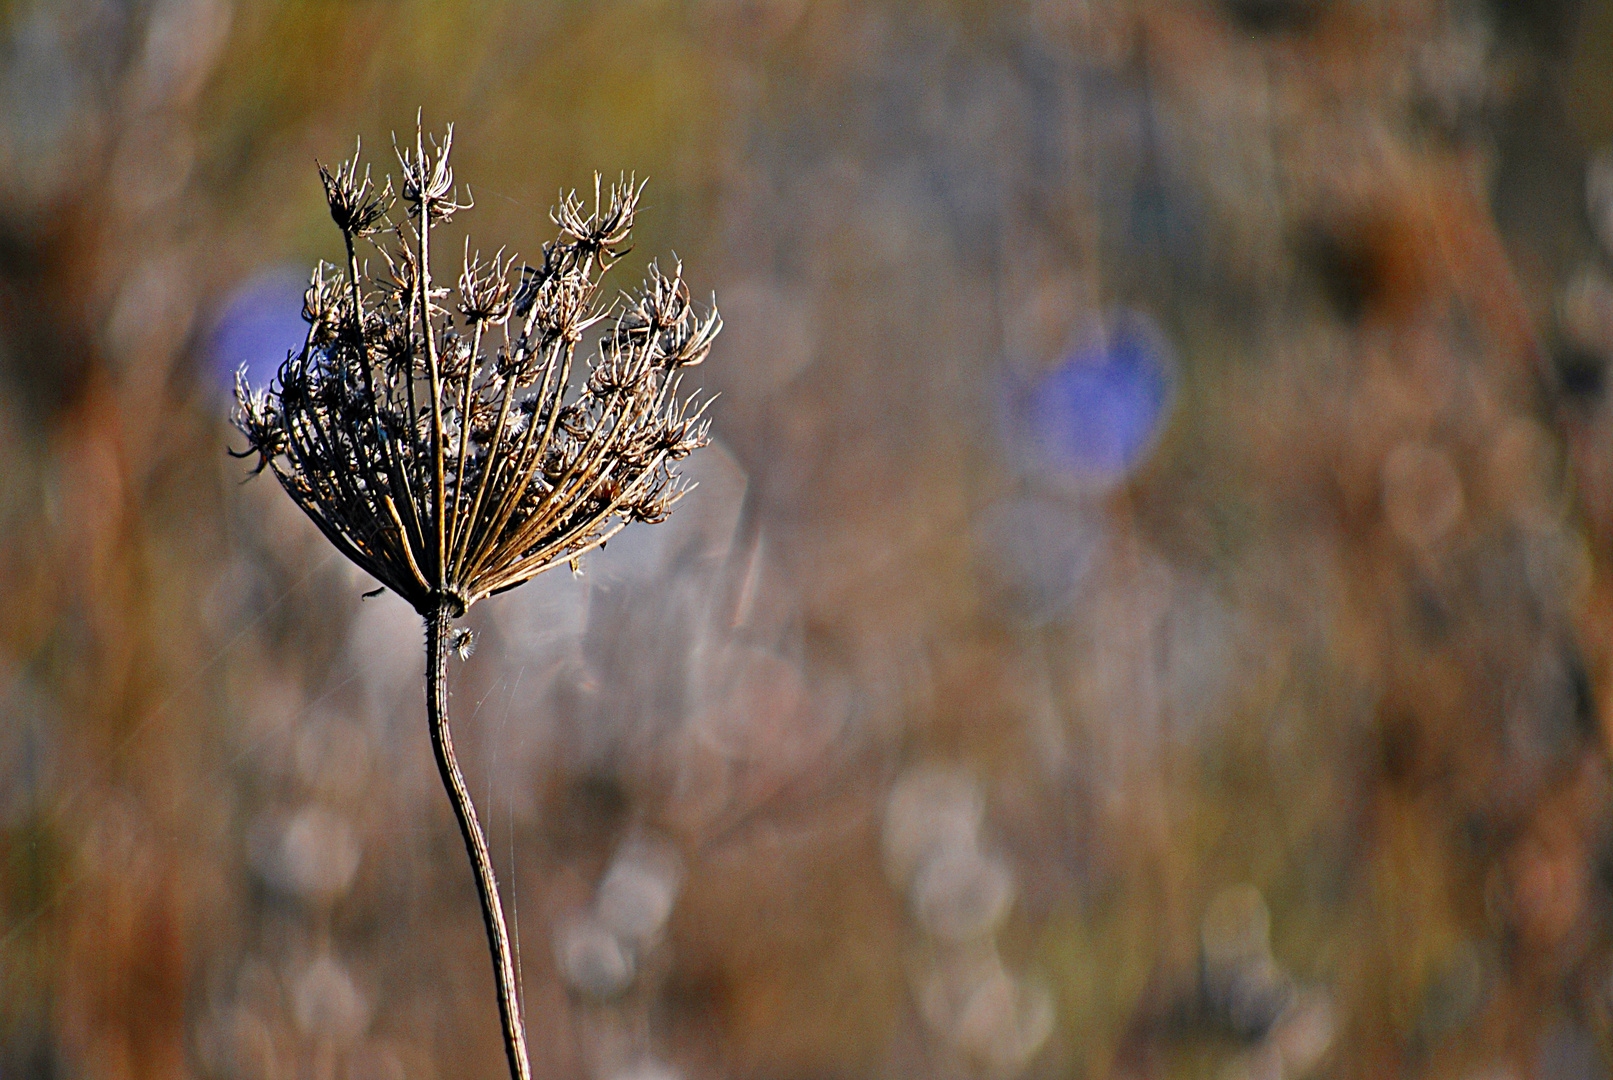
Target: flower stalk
x,y
438,630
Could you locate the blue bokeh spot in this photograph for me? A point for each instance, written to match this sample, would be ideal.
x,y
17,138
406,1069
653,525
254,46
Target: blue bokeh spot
x,y
1096,414
260,324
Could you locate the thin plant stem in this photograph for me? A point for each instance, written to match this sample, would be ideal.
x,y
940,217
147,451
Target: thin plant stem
x,y
498,935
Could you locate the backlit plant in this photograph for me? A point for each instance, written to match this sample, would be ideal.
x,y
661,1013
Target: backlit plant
x,y
448,442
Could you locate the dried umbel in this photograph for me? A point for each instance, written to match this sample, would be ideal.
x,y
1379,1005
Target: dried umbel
x,y
444,446
449,448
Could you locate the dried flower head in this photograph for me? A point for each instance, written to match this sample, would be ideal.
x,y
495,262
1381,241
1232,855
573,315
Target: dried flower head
x,y
356,205
456,459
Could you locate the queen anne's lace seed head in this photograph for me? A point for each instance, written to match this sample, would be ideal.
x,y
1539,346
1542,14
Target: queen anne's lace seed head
x,y
456,461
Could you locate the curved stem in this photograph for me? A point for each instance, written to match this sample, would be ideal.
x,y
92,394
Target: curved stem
x,y
498,936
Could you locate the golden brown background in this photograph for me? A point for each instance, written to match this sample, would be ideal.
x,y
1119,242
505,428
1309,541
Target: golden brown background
x,y
1242,712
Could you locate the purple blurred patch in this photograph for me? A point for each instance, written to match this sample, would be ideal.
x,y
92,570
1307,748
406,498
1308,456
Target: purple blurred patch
x,y
261,322
1092,418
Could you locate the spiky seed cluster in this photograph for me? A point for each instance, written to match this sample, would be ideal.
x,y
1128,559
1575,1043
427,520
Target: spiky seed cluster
x,y
450,452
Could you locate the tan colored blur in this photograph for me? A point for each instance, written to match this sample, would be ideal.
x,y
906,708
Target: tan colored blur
x,y
1147,612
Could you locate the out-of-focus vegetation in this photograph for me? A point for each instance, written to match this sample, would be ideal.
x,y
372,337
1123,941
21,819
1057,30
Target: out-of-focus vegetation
x,y
1146,613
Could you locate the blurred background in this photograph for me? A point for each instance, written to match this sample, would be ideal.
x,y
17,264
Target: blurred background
x,y
1145,612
